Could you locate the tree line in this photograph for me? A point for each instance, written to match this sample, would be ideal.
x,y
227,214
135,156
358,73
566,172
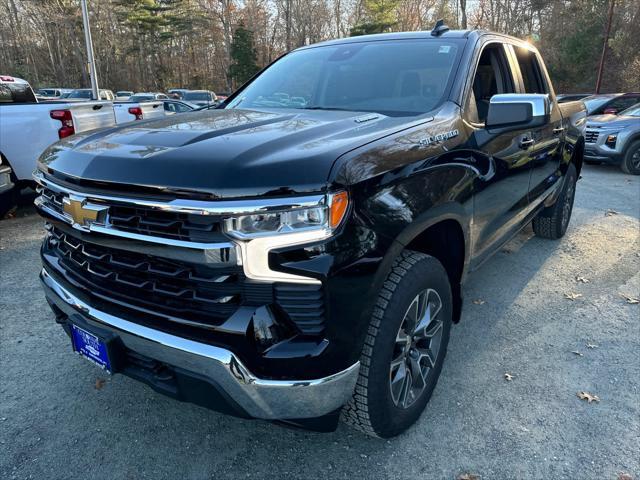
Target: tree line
x,y
218,44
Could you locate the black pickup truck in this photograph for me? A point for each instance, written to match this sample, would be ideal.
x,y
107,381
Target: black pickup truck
x,y
298,253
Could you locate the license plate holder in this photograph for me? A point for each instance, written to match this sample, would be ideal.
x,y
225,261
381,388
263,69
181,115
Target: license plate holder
x,y
91,347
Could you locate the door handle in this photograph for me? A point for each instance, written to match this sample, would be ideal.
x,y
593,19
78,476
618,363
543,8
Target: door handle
x,y
558,130
526,143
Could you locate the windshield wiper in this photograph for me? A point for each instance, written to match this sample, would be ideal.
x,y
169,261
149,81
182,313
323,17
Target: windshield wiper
x,y
318,107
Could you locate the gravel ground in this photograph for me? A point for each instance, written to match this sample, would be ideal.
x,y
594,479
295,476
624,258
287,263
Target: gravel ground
x,y
55,423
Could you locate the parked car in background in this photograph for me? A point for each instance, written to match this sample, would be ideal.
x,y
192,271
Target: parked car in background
x,y
7,191
571,97
147,96
131,110
610,103
172,106
615,139
52,93
179,92
299,254
28,127
86,94
221,97
200,97
123,94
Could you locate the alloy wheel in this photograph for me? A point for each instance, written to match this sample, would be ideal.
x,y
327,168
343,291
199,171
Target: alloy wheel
x,y
416,348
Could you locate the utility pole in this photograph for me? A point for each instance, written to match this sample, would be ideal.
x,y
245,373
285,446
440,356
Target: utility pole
x,y
604,46
91,64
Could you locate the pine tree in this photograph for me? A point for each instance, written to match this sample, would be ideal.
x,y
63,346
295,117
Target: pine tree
x,y
243,55
380,17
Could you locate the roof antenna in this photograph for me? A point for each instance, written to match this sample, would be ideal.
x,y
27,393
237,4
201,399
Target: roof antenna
x,y
439,29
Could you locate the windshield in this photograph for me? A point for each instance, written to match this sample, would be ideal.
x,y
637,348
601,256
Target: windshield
x,y
80,94
140,98
632,111
46,91
197,96
594,102
124,93
401,77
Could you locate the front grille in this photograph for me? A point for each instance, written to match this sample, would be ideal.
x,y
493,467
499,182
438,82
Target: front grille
x,y
591,136
176,289
151,221
184,292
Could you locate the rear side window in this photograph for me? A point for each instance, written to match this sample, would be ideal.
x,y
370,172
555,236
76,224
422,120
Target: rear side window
x,y
16,93
531,71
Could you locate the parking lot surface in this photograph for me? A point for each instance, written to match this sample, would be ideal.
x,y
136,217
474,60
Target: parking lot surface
x,y
555,315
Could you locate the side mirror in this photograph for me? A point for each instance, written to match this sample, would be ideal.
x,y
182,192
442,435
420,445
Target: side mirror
x,y
514,111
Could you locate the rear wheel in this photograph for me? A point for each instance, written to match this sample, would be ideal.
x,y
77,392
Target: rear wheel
x,y
404,349
553,221
631,161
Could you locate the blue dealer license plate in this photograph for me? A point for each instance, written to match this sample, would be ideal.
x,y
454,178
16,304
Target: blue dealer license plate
x,y
90,347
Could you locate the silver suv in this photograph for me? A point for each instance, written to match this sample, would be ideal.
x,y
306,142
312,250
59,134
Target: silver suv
x,y
615,139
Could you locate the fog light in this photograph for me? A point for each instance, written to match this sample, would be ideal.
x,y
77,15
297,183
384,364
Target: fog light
x,y
266,330
611,140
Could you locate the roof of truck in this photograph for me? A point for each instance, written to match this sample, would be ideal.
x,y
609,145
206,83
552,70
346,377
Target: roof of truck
x,y
426,34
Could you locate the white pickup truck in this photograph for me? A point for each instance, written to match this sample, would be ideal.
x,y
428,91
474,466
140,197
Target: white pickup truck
x,y
28,127
131,111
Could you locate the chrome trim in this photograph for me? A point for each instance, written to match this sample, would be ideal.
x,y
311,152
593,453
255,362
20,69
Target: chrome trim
x,y
260,398
255,255
198,207
251,253
540,104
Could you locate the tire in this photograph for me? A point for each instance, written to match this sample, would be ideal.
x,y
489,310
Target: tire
x,y
381,407
631,161
552,222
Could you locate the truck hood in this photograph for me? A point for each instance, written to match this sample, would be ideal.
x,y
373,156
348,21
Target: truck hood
x,y
221,153
612,121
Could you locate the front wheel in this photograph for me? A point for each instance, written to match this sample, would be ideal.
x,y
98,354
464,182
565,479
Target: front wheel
x,y
404,349
553,221
631,161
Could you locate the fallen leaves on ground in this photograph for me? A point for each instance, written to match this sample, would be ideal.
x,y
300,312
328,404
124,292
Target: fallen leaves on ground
x,y
592,345
576,352
100,383
631,300
610,213
580,279
624,476
572,296
479,301
589,397
508,377
468,476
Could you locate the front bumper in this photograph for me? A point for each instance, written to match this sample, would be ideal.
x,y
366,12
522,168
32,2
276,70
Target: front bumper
x,y
254,397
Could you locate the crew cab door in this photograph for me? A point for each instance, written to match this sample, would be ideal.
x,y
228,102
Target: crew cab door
x,y
545,151
501,191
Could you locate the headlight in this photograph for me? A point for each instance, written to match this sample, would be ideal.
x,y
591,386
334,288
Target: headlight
x,y
325,216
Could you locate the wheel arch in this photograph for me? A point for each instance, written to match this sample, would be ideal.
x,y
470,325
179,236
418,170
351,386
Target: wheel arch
x,y
443,233
577,157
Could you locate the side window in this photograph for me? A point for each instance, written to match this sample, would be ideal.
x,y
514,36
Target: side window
x,y
530,71
623,102
492,76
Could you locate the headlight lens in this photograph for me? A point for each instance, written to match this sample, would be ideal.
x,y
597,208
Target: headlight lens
x,y
325,216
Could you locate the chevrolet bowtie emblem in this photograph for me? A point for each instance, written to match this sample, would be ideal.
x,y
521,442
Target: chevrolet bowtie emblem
x,y
82,212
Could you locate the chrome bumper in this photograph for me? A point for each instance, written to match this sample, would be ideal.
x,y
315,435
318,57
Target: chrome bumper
x,y
260,398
